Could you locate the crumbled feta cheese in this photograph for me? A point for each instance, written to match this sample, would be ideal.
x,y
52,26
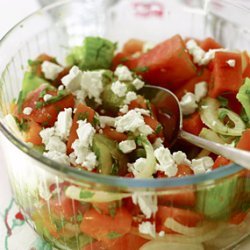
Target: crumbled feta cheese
x,y
147,203
147,228
106,120
166,162
199,55
92,84
119,88
158,143
85,133
61,87
137,167
58,157
72,81
231,63
131,121
180,158
200,90
46,134
143,111
124,109
51,70
64,123
130,96
47,97
202,165
145,130
188,103
55,144
161,233
196,51
138,83
127,146
27,111
123,73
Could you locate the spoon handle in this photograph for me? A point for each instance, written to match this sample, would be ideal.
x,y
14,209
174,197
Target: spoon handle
x,y
238,156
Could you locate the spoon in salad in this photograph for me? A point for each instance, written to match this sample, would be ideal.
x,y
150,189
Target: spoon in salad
x,y
170,116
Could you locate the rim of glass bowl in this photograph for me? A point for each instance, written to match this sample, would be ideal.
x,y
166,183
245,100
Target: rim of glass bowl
x,y
115,181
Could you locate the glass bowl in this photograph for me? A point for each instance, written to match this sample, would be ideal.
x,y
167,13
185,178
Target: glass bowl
x,y
73,209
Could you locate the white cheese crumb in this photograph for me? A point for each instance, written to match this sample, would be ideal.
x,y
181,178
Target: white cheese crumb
x,y
137,167
46,134
200,90
131,121
130,96
138,83
51,70
202,165
181,158
147,228
47,97
92,84
123,73
145,130
106,121
166,162
147,203
196,51
161,234
58,157
61,87
147,46
119,88
27,111
188,103
55,144
231,63
127,146
64,123
72,81
85,133
143,111
124,109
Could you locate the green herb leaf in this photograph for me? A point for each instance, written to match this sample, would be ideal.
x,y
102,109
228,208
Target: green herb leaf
x,y
85,194
79,217
223,101
113,235
158,129
39,105
96,121
82,116
115,167
141,69
112,211
22,124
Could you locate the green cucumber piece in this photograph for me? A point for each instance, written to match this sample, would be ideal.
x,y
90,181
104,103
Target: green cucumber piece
x,y
95,53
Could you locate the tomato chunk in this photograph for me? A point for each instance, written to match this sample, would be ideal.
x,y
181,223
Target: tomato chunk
x,y
104,227
193,123
167,64
224,77
33,133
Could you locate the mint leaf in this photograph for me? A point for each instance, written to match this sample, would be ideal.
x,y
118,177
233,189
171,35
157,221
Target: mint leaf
x,y
113,235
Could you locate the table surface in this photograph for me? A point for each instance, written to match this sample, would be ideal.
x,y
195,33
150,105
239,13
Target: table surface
x,y
15,234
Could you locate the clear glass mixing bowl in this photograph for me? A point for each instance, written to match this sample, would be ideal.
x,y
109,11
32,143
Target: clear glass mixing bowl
x,y
100,212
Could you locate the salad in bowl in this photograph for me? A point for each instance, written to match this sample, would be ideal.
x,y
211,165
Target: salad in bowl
x,y
97,169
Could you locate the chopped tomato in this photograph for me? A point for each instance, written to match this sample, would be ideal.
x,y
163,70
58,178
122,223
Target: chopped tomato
x,y
184,170
64,207
237,218
138,103
57,82
220,161
224,77
33,133
193,124
126,242
209,43
167,64
82,112
244,141
107,208
119,58
46,115
203,74
184,216
104,227
132,46
114,135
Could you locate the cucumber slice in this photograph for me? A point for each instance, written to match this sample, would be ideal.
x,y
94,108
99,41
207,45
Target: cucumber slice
x,y
95,53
